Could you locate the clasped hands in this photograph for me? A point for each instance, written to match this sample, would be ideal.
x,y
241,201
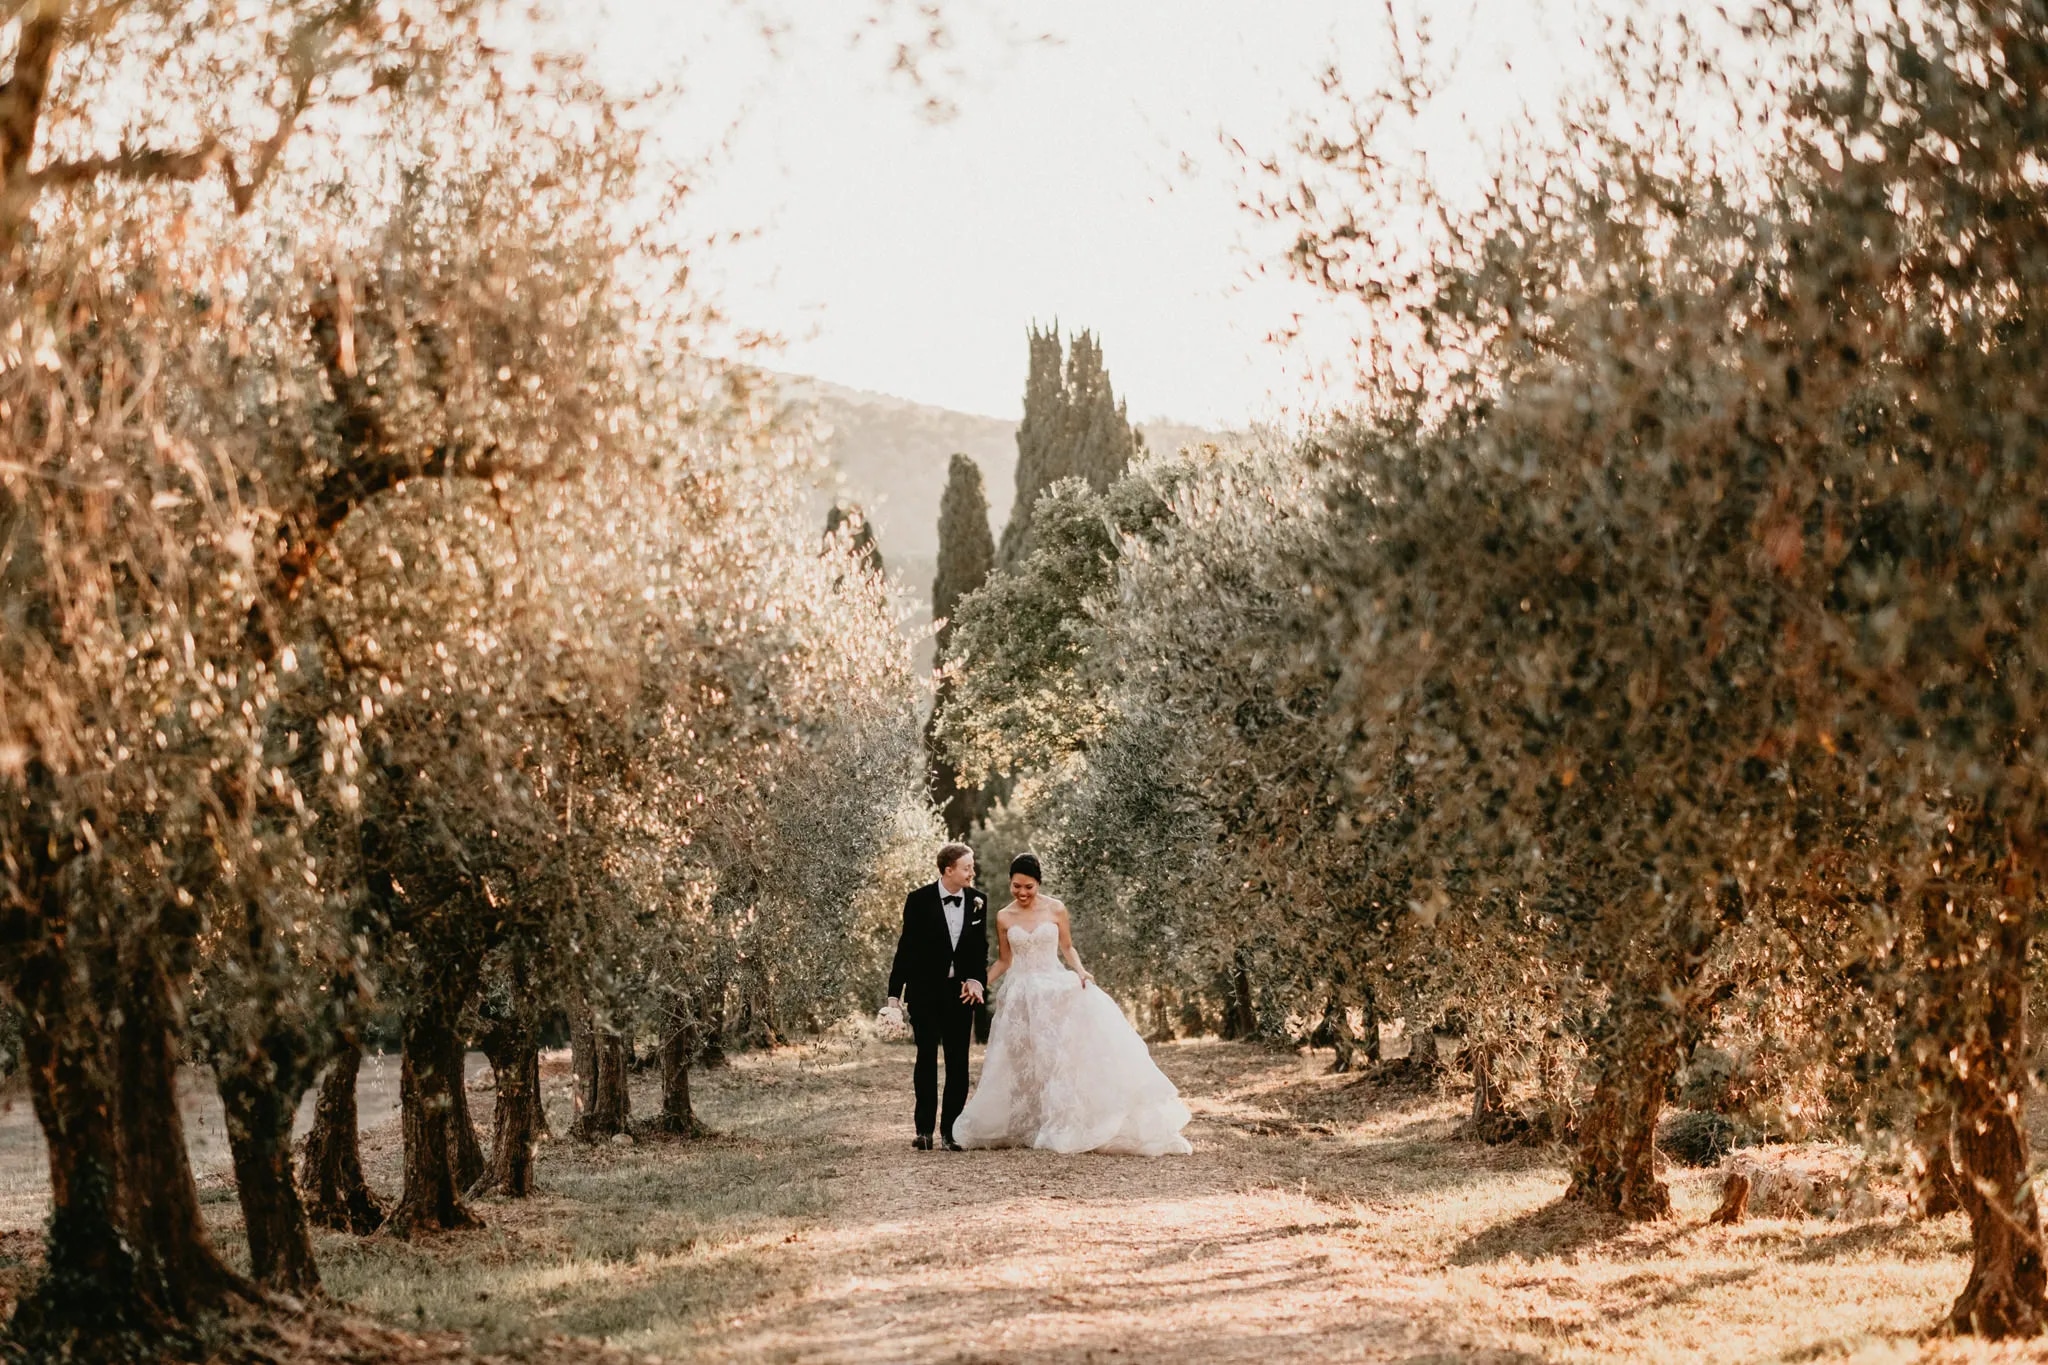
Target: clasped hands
x,y
971,993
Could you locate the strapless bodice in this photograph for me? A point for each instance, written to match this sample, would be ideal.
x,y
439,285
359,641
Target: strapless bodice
x,y
1035,950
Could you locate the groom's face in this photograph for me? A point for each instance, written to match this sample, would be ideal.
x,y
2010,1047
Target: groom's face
x,y
959,874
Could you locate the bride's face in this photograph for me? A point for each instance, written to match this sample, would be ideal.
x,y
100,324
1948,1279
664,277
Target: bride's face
x,y
1023,890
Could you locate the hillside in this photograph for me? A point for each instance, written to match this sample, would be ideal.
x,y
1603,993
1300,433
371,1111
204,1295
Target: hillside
x,y
889,455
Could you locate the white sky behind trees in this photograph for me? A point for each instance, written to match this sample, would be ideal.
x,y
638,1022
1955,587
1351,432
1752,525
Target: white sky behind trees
x,y
1083,176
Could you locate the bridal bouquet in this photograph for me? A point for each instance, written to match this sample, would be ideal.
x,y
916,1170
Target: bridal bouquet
x,y
890,1023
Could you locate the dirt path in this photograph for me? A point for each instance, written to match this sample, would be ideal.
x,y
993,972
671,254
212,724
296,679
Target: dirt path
x,y
1319,1219
1232,1254
809,1230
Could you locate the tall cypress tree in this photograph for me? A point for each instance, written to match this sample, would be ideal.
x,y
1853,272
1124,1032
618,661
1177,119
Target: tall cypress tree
x,y
967,554
1038,435
1073,427
1101,442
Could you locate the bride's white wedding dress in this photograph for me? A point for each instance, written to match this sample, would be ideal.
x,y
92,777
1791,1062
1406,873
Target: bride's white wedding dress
x,y
1064,1069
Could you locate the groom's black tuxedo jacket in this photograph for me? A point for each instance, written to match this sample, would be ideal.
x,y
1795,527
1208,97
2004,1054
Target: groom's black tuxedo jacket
x,y
925,952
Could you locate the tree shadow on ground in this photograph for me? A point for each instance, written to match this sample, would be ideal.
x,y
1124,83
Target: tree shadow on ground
x,y
1682,1293
1889,1233
1556,1229
1208,1246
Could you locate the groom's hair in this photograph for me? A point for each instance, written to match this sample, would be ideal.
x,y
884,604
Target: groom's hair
x,y
952,853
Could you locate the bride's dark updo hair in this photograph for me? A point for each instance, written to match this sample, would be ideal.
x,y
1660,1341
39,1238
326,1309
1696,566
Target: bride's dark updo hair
x,y
1027,864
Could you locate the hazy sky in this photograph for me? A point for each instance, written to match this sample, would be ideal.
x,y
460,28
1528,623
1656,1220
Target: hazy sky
x,y
1083,178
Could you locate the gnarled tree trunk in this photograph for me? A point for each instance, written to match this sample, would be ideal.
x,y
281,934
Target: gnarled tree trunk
x,y
331,1167
93,1281
1614,1160
711,1040
1931,1165
1370,1035
163,1199
261,1081
1335,1033
432,1197
1162,1017
607,1107
259,1109
469,1151
516,1118
678,1050
1489,1102
582,1066
1637,1052
1242,1017
129,1260
1986,1085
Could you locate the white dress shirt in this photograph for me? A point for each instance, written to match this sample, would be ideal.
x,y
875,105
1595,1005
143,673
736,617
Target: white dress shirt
x,y
954,903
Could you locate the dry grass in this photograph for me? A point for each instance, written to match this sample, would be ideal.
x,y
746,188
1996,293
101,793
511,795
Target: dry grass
x,y
1319,1219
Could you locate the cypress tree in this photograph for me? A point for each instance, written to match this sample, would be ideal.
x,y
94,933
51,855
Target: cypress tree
x,y
1073,427
967,554
967,549
1101,443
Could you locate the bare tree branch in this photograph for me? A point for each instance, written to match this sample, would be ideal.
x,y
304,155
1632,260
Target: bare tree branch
x,y
22,94
304,71
372,462
133,163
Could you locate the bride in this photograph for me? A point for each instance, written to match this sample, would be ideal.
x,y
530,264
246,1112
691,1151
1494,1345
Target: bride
x,y
1064,1069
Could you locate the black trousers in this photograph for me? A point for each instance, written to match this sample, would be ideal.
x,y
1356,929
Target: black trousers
x,y
941,1022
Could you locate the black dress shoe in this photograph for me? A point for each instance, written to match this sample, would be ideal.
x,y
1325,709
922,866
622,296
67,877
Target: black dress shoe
x,y
950,1145
923,1142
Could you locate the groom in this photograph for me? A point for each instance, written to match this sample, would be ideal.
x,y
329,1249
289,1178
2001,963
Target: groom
x,y
941,973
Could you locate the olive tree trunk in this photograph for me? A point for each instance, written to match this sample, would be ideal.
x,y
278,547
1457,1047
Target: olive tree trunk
x,y
1370,1036
1614,1161
128,1256
469,1150
93,1277
1241,1017
678,1051
516,1118
1636,1052
605,1108
1489,1101
331,1166
1985,1083
261,1081
260,1105
428,1078
1334,1032
1931,1165
582,1065
164,1221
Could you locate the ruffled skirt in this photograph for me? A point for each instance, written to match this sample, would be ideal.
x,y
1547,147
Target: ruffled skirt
x,y
1066,1072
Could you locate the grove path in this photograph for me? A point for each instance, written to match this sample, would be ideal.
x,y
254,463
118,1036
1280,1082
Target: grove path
x,y
1320,1218
1270,1243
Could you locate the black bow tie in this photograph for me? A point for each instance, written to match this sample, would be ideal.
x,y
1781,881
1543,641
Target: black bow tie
x,y
951,900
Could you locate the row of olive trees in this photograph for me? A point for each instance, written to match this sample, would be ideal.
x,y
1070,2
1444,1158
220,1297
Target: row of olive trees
x,y
1701,591
1660,638
401,629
